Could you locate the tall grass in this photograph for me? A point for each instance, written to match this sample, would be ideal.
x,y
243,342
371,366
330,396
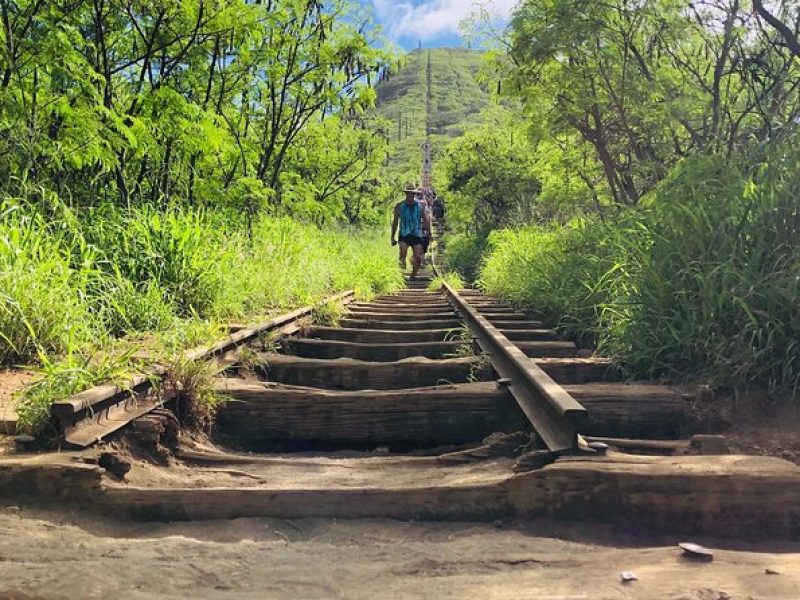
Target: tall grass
x,y
73,282
463,254
702,281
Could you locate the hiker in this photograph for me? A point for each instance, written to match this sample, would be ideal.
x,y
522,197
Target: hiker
x,y
425,201
412,219
437,207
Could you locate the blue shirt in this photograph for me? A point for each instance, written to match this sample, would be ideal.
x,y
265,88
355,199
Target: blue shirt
x,y
410,219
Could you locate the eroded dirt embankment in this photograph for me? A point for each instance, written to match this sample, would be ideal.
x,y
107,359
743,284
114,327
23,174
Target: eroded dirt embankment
x,y
44,555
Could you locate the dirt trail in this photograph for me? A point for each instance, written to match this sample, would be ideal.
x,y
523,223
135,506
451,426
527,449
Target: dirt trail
x,y
52,556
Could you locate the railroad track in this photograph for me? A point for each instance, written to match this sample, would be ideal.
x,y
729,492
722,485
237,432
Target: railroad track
x,y
439,404
413,370
424,369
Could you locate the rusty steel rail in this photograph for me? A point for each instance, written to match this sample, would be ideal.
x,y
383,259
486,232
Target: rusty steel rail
x,y
91,415
553,413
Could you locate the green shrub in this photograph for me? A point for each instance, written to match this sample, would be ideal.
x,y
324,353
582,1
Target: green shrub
x,y
716,295
464,254
702,281
566,275
43,297
70,283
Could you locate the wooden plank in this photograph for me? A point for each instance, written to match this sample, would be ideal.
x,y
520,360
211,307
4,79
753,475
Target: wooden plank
x,y
311,348
579,370
404,311
411,305
544,349
502,317
730,496
632,409
408,325
401,315
380,336
351,374
451,414
529,335
386,317
263,415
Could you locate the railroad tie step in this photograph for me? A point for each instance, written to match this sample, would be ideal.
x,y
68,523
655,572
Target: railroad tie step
x,y
381,352
380,336
359,322
402,317
544,349
354,374
263,414
529,335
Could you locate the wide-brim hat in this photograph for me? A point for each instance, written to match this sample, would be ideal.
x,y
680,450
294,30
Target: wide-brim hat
x,y
411,190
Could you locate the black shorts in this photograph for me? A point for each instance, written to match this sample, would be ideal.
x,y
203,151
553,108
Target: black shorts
x,y
411,240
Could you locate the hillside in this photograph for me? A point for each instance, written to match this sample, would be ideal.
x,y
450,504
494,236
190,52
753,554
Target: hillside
x,y
455,104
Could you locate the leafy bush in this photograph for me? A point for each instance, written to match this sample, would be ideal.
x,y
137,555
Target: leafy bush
x,y
702,281
68,281
716,295
567,275
464,254
43,307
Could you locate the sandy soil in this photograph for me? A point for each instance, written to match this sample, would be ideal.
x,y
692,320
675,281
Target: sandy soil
x,y
11,380
765,426
45,555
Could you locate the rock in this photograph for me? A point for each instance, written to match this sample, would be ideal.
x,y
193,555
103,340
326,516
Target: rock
x,y
709,445
533,460
24,442
696,551
115,465
628,576
599,447
771,572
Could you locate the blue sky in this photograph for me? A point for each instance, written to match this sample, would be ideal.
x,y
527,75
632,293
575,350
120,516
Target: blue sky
x,y
434,22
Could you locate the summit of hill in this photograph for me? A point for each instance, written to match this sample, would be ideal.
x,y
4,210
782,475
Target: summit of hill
x,y
455,104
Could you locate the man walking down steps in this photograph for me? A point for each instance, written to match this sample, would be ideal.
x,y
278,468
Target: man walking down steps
x,y
413,222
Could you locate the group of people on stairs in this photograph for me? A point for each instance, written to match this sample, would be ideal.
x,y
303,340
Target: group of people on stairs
x,y
413,217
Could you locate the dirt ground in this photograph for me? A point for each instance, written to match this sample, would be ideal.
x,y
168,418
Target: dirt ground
x,y
48,555
11,380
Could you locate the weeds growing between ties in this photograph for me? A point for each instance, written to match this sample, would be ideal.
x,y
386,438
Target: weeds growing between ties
x,y
88,296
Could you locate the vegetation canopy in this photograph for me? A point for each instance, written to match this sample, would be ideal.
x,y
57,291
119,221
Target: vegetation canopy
x,y
627,169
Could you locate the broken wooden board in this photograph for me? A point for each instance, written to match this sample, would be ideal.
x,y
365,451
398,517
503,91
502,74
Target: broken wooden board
x,y
722,495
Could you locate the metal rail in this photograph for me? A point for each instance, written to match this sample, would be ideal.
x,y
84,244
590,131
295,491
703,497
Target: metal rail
x,y
553,413
91,415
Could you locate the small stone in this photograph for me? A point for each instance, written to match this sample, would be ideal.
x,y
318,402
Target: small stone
x,y
628,576
533,460
115,465
696,551
710,445
24,442
599,447
771,572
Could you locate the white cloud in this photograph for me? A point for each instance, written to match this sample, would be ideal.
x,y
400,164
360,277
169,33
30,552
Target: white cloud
x,y
433,17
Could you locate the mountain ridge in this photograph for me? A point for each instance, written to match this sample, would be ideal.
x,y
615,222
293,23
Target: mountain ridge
x,y
456,102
